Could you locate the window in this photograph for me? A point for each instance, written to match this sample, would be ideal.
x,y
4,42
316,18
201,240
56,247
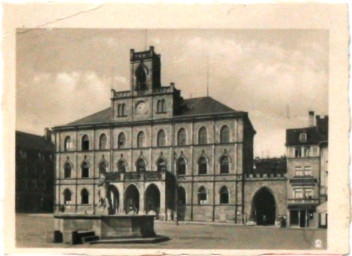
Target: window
x,y
121,166
298,171
307,171
224,195
181,137
161,138
140,140
202,136
224,165
298,194
121,141
315,151
85,143
67,143
84,196
23,154
298,152
140,165
67,170
67,196
181,166
160,108
308,193
181,196
161,165
306,151
102,141
121,110
303,137
202,195
224,134
85,169
202,165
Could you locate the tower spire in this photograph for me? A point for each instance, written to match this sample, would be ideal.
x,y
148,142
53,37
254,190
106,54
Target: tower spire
x,y
112,78
145,39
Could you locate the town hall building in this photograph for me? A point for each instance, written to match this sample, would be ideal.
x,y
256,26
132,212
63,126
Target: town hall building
x,y
154,152
159,153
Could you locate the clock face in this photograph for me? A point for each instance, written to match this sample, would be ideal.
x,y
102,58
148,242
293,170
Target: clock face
x,y
141,107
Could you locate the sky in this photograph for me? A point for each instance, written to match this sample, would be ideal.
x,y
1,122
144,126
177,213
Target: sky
x,y
277,76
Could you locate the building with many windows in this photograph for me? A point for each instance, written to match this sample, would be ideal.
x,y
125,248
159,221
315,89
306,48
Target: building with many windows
x,y
159,153
307,170
34,172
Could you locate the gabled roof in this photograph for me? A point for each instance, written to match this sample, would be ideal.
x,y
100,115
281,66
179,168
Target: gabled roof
x,y
31,141
102,116
315,135
189,107
203,105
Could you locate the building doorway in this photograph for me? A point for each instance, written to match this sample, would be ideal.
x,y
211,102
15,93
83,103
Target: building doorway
x,y
131,199
264,207
152,199
114,199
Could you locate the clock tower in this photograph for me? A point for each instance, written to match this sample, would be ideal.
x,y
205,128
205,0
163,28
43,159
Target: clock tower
x,y
145,71
146,99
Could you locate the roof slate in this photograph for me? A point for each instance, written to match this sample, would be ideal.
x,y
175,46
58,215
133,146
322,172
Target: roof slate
x,y
32,141
315,135
190,107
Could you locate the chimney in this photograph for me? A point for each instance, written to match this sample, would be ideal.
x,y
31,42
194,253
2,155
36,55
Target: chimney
x,y
48,134
311,118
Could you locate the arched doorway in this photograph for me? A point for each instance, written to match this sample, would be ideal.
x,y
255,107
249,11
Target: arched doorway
x,y
264,207
131,199
152,199
114,199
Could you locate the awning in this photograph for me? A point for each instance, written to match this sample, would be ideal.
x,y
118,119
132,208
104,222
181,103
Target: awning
x,y
323,208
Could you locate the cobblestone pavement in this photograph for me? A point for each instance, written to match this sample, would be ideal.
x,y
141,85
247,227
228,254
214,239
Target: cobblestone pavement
x,y
35,230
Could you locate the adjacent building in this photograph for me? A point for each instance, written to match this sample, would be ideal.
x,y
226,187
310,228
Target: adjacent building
x,y
34,172
307,170
160,153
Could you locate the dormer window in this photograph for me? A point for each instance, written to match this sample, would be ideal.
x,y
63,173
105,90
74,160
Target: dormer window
x,y
303,137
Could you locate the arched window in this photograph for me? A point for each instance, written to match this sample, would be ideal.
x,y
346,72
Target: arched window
x,y
119,109
68,143
85,142
140,165
181,137
102,141
161,138
121,166
84,196
140,140
181,166
67,170
202,165
202,195
224,195
202,136
67,196
224,164
224,134
121,141
160,108
181,196
123,109
85,169
161,165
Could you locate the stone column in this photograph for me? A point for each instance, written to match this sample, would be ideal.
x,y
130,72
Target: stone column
x,y
162,211
141,188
